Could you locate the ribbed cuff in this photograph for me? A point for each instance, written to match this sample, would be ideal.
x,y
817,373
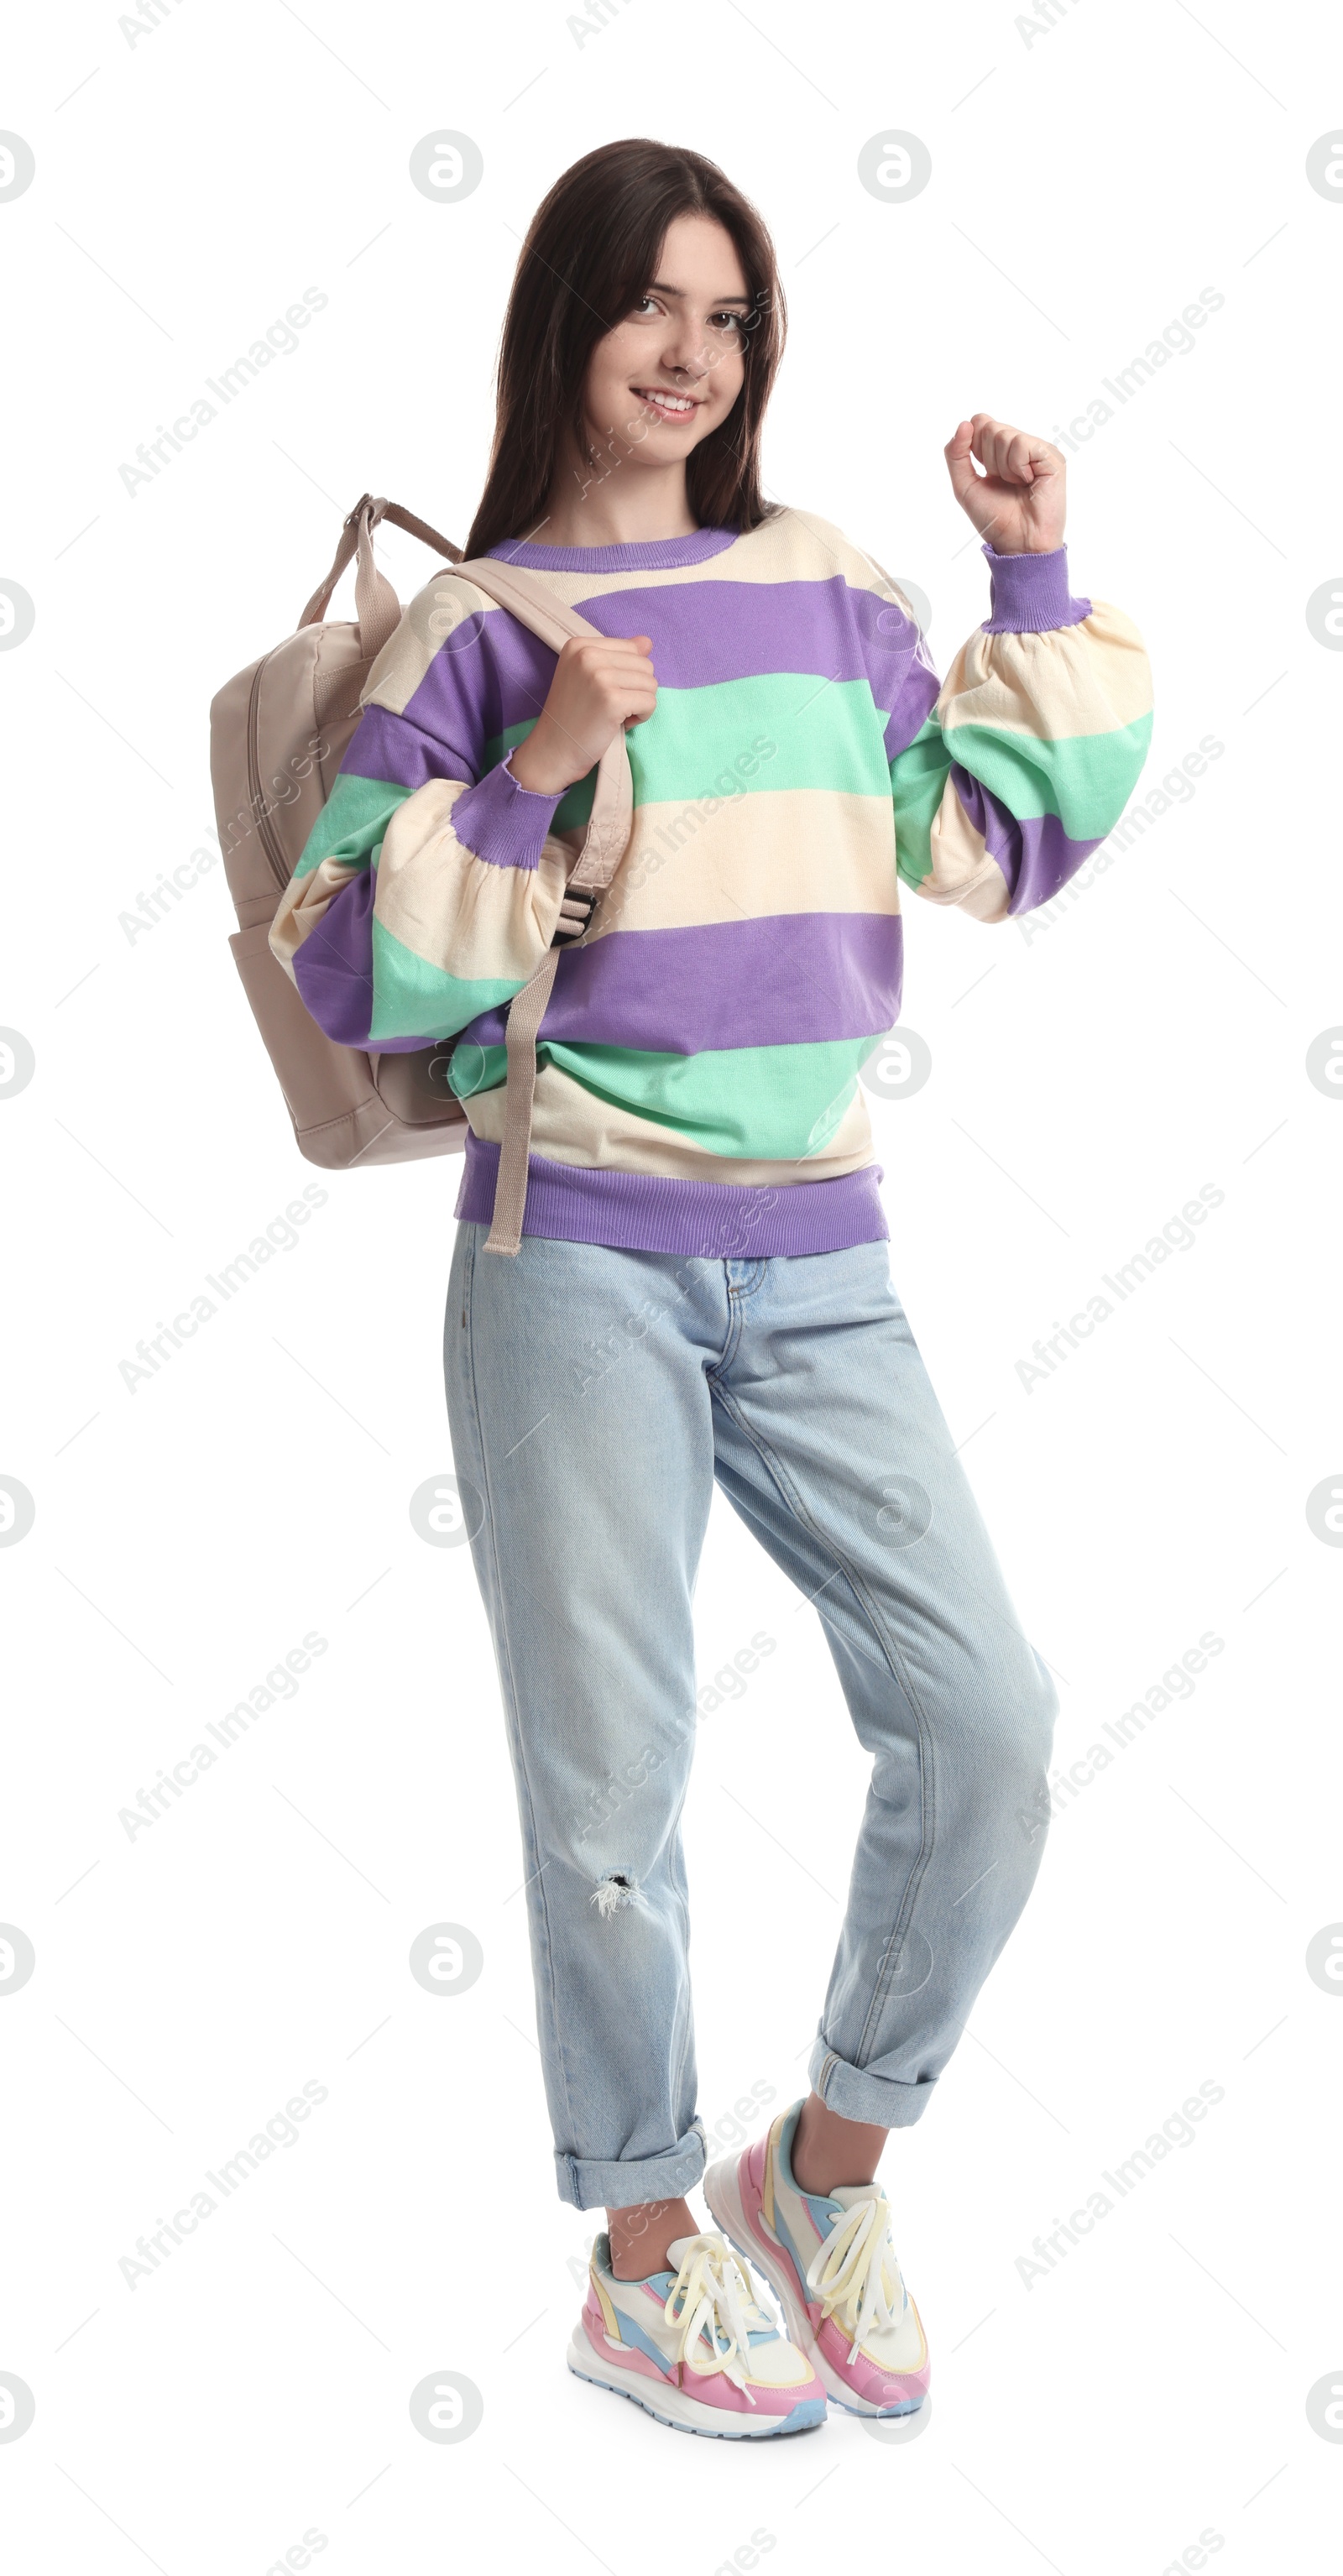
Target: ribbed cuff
x,y
503,822
1031,594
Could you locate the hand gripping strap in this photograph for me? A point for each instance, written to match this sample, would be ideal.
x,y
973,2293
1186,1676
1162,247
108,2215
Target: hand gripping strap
x,y
603,849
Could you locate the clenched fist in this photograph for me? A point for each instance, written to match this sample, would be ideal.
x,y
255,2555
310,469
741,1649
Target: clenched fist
x,y
1018,502
601,682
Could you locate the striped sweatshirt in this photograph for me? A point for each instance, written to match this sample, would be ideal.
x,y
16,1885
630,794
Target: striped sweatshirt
x,y
697,1088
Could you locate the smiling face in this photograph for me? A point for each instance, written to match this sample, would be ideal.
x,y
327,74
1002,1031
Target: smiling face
x,y
672,370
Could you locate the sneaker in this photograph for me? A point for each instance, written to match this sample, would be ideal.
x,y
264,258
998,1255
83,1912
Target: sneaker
x,y
694,2347
829,2260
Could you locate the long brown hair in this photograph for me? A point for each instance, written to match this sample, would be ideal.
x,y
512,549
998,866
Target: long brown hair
x,y
589,255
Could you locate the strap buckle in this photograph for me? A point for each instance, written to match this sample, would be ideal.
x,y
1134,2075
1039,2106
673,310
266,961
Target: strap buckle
x,y
576,912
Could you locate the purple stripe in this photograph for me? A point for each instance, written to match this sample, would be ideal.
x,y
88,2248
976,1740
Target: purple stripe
x,y
707,1220
1036,856
334,967
390,747
915,700
705,632
791,979
491,673
1031,594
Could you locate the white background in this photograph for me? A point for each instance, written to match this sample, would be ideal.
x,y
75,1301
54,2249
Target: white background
x,y
1089,178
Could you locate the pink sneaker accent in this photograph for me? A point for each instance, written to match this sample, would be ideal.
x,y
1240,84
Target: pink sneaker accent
x,y
693,2347
878,2368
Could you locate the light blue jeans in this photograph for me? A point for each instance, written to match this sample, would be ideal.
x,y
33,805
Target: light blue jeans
x,y
593,1397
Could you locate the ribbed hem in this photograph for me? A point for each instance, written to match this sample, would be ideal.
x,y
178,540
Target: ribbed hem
x,y
1031,594
503,822
708,1220
655,554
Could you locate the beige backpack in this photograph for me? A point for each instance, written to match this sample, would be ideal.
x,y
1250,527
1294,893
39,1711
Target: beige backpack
x,y
278,732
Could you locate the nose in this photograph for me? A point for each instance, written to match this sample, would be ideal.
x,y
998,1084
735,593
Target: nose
x,y
685,349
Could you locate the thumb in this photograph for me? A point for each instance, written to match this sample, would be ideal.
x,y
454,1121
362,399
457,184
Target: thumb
x,y
960,464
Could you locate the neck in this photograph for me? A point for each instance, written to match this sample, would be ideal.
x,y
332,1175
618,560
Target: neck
x,y
617,503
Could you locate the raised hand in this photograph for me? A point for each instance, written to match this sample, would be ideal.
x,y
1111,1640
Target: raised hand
x,y
1019,501
600,683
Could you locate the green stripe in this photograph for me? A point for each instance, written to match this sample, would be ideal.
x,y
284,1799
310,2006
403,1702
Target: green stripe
x,y
791,730
1086,779
413,999
352,821
778,1103
918,776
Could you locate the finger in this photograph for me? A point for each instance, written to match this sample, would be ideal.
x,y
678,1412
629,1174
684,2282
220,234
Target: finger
x,y
624,652
601,648
992,446
1045,459
982,428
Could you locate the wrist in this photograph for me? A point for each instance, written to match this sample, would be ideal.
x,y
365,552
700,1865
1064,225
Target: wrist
x,y
527,765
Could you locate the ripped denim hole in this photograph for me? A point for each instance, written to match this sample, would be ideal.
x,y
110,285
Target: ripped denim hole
x,y
611,1891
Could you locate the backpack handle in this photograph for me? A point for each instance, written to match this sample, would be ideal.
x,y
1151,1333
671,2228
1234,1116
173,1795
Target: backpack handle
x,y
377,608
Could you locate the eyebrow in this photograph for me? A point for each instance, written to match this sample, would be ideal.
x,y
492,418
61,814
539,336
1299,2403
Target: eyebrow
x,y
658,287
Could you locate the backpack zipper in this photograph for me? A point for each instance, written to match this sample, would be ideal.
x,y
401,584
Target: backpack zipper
x,y
269,842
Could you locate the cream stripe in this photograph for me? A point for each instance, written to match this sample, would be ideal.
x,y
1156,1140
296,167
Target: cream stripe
x,y
432,616
302,905
571,1125
1073,680
779,851
963,870
455,911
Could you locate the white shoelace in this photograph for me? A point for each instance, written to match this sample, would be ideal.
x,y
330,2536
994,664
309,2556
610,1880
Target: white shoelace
x,y
847,2275
717,2298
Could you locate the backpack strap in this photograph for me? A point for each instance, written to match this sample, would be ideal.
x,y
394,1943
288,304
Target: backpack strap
x,y
379,613
604,847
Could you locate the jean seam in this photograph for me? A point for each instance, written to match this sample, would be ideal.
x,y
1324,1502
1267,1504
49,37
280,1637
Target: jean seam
x,y
683,1906
510,1694
734,1330
891,1652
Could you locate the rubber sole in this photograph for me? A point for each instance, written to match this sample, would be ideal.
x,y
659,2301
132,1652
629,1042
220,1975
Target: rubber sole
x,y
723,2194
687,2414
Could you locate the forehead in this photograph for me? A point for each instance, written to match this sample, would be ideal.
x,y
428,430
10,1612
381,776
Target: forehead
x,y
699,256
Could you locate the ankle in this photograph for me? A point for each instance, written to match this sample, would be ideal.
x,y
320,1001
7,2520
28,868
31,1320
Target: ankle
x,y
828,2152
640,2236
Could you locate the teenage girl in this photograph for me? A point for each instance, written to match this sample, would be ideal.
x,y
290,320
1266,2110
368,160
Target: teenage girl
x,y
702,1288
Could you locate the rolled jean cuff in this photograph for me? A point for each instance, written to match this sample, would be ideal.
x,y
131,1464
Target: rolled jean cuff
x,y
856,2094
585,2183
